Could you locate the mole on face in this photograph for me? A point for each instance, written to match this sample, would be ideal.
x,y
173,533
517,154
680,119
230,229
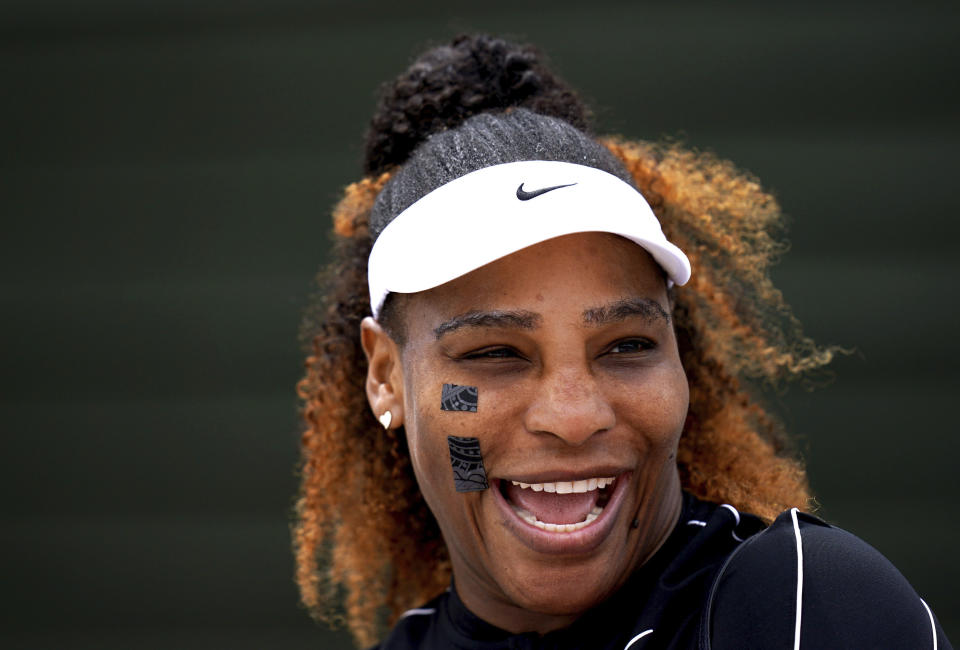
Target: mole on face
x,y
459,398
467,464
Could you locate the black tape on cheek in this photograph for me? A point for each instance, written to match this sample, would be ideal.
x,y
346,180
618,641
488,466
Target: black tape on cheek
x,y
468,472
459,398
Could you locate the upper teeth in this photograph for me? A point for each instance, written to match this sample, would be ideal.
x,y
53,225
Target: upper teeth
x,y
567,487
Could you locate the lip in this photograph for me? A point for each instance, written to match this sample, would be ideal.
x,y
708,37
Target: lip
x,y
577,542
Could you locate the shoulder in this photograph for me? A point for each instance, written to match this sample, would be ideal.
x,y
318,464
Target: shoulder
x,y
801,576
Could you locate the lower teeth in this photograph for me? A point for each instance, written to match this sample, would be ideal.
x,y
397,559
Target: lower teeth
x,y
558,528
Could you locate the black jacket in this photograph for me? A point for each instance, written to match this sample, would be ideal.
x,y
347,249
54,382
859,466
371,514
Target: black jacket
x,y
721,581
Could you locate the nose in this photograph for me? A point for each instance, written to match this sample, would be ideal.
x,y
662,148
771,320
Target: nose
x,y
571,406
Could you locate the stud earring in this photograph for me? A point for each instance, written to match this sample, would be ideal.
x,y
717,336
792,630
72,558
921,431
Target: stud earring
x,y
386,419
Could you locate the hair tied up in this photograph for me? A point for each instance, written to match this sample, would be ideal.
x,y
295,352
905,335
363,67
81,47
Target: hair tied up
x,y
351,217
446,85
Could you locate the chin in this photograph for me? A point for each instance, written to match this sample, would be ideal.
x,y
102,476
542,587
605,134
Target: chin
x,y
564,591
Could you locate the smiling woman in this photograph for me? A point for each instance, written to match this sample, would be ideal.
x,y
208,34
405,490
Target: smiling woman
x,y
566,451
569,399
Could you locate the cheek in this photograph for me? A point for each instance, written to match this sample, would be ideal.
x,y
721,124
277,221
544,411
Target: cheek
x,y
431,421
428,455
431,466
659,406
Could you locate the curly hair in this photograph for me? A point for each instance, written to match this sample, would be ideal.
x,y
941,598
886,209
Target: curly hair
x,y
364,538
447,84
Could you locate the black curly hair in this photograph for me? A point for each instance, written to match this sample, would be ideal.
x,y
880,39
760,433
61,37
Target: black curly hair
x,y
474,74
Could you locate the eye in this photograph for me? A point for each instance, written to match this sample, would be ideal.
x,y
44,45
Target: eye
x,y
631,346
499,352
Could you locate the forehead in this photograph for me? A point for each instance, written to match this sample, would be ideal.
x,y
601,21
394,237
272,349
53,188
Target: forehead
x,y
562,276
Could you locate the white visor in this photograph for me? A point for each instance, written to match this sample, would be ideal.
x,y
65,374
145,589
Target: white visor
x,y
493,212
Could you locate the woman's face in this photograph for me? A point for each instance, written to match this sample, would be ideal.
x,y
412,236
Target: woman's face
x,y
572,350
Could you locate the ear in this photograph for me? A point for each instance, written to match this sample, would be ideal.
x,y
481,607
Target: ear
x,y
384,372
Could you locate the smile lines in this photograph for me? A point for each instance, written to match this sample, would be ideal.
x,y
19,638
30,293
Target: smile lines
x,y
567,487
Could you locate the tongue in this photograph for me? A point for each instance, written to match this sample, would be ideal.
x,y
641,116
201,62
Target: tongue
x,y
552,508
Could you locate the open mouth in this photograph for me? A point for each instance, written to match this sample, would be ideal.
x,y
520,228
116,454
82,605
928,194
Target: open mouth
x,y
561,506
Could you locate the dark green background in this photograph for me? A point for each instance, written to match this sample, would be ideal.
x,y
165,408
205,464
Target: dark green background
x,y
167,173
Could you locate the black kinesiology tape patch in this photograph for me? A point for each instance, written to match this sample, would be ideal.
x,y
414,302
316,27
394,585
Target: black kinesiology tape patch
x,y
468,472
459,398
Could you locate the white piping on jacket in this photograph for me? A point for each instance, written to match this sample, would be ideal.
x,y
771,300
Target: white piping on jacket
x,y
933,626
637,638
796,533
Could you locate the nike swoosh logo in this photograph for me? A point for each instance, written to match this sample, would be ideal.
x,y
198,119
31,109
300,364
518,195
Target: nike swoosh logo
x,y
523,195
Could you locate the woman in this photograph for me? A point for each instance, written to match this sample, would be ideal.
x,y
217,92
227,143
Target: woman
x,y
526,422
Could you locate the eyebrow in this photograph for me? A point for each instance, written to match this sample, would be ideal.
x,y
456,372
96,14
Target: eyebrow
x,y
520,319
620,310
